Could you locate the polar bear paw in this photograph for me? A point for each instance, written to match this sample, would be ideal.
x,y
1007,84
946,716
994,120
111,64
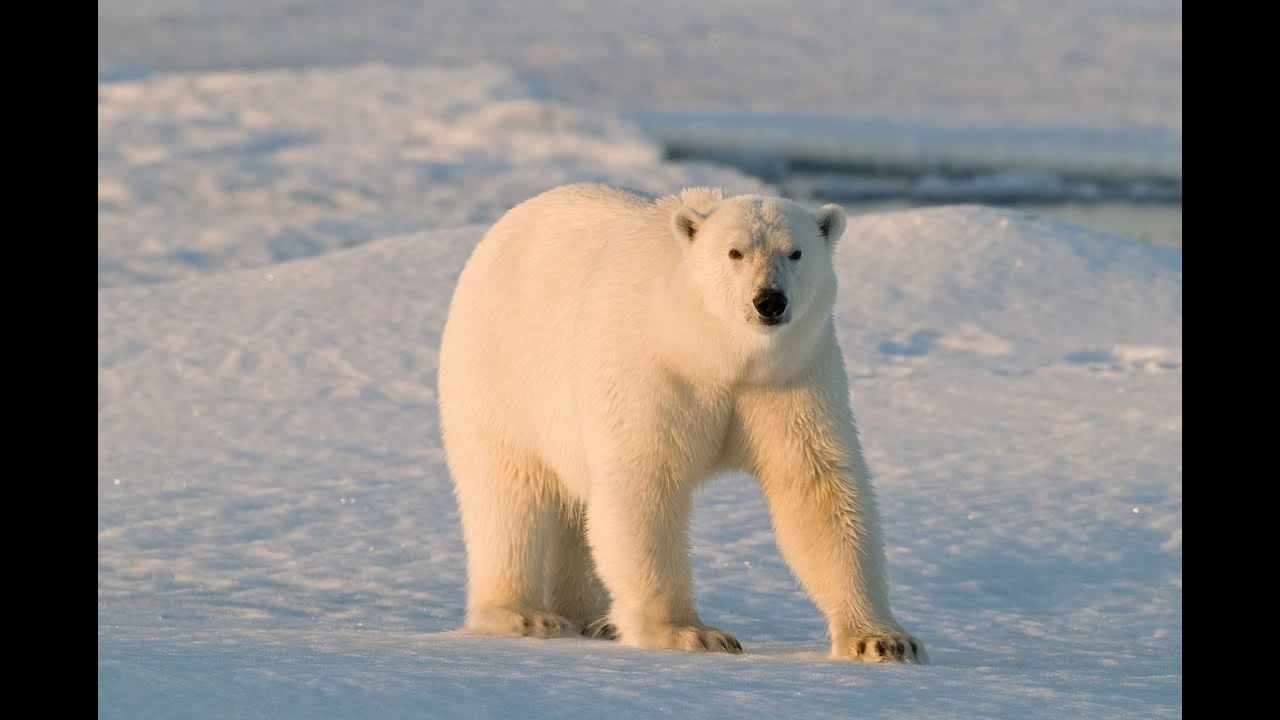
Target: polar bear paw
x,y
600,629
876,646
693,638
707,639
521,623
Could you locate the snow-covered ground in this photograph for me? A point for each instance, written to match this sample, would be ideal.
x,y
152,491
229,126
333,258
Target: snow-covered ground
x,y
1111,64
276,530
277,247
204,172
1092,87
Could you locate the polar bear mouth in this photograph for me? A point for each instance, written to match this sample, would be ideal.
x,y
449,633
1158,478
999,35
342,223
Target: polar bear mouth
x,y
768,322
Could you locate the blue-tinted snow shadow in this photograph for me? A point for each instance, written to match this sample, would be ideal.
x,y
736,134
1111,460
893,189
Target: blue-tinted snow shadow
x,y
112,76
916,345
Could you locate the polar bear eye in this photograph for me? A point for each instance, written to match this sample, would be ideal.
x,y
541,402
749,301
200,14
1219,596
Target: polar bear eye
x,y
795,255
735,254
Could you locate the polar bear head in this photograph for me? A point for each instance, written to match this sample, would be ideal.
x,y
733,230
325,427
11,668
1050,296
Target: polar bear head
x,y
761,263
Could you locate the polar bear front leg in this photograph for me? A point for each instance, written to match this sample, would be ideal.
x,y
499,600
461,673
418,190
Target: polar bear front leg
x,y
801,443
638,529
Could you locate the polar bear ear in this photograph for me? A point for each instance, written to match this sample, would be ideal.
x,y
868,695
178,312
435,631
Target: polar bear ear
x,y
685,223
831,220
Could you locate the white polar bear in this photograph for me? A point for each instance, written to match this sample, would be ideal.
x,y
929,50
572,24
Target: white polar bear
x,y
607,352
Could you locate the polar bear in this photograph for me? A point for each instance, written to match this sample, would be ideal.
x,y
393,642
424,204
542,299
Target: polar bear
x,y
606,352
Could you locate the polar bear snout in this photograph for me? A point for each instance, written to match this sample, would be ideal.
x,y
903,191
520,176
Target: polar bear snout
x,y
770,304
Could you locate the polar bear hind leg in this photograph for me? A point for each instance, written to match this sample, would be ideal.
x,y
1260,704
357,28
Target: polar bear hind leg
x,y
511,518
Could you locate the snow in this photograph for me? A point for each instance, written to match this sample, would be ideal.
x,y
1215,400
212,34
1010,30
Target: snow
x,y
1086,64
283,525
1089,88
204,172
281,222
902,145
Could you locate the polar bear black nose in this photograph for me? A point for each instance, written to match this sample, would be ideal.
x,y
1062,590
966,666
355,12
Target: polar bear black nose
x,y
770,303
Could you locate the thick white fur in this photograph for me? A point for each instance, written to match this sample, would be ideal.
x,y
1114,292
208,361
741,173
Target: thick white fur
x,y
598,364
